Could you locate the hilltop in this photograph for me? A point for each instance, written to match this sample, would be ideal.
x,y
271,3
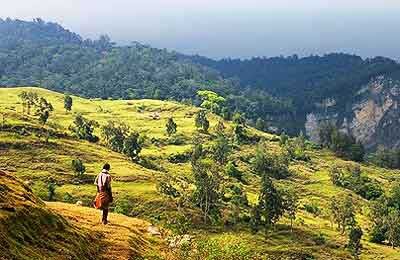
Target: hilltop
x,y
25,153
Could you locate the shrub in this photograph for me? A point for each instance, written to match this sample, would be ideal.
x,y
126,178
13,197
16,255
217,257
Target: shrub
x,y
232,171
319,239
313,209
78,167
123,205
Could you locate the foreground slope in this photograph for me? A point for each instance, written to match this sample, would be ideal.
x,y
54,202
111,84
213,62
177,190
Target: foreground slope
x,y
29,230
28,156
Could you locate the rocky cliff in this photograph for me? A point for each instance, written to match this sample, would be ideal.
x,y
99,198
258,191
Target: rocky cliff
x,y
372,116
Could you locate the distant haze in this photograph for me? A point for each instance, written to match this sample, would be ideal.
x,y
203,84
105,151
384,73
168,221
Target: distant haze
x,y
229,28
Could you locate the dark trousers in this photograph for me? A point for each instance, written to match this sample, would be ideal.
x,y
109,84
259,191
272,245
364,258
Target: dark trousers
x,y
105,215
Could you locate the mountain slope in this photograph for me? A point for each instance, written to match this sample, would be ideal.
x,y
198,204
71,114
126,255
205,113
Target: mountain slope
x,y
28,156
29,230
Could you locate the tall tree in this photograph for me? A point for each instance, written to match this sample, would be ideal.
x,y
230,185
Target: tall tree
x,y
211,100
170,126
114,134
392,222
67,103
270,203
207,193
342,209
290,204
132,146
354,244
201,121
83,128
221,149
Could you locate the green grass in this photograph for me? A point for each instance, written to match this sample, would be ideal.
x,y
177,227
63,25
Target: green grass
x,y
30,158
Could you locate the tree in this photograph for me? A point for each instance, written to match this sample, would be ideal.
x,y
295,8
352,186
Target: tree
x,y
207,182
232,171
290,204
272,165
392,222
84,128
114,134
132,147
78,167
220,128
260,124
239,119
211,100
51,190
201,121
342,209
354,244
43,108
28,99
270,203
239,133
170,126
221,149
67,103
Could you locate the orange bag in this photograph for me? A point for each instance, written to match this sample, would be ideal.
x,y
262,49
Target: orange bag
x,y
102,200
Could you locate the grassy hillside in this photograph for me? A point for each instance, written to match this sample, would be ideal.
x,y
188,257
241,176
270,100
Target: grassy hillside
x,y
29,157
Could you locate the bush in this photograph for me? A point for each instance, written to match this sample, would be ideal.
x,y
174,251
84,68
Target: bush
x,y
351,178
68,198
78,167
224,248
313,209
319,239
123,205
176,139
180,157
232,171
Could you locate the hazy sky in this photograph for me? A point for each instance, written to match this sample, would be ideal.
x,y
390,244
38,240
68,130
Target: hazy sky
x,y
222,28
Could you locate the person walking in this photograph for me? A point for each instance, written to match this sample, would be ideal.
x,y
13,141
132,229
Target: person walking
x,y
104,193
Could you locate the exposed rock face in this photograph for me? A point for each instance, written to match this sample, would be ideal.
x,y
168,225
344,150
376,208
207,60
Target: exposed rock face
x,y
372,117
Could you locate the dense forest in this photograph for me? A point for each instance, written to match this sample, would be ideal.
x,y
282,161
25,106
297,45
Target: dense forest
x,y
45,54
275,92
306,80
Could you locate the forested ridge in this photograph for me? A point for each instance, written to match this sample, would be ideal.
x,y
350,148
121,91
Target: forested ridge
x,y
276,91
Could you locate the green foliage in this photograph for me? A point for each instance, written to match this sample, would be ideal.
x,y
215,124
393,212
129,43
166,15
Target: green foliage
x,y
123,205
207,193
213,249
341,143
261,124
83,128
354,244
43,110
313,209
319,239
296,148
42,107
392,222
114,134
270,207
170,126
272,165
342,210
132,147
211,100
78,167
67,103
386,158
351,178
51,190
290,204
201,121
232,171
221,149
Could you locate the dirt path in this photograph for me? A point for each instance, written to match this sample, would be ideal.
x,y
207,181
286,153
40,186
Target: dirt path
x,y
116,235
